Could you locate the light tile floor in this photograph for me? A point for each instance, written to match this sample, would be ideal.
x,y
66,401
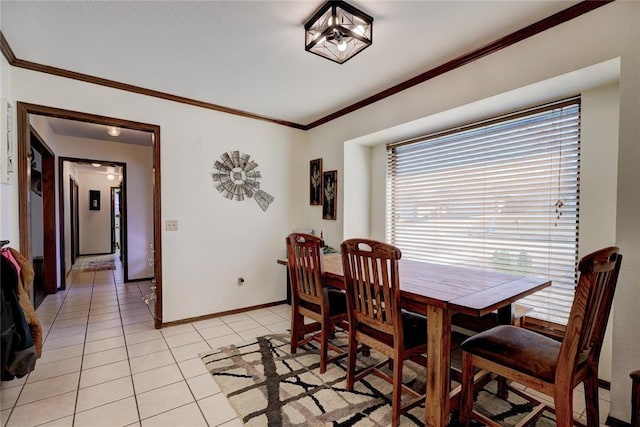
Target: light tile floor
x,y
104,364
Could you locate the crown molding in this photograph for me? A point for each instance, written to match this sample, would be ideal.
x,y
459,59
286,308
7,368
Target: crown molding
x,y
6,49
60,72
561,17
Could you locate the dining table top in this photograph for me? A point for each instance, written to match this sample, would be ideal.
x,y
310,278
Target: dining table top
x,y
460,289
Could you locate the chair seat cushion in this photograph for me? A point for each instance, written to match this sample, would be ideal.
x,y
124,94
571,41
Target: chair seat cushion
x,y
414,331
414,328
337,302
517,348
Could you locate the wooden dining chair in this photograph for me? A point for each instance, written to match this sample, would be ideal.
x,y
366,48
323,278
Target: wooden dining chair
x,y
312,298
376,319
542,363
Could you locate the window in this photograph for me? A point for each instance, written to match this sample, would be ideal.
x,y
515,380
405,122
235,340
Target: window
x,y
498,195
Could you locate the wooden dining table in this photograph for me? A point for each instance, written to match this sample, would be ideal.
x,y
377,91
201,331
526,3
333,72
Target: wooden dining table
x,y
437,291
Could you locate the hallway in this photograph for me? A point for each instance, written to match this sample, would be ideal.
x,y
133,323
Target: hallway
x,y
104,364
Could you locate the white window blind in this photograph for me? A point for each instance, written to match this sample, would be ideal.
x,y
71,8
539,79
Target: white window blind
x,y
498,195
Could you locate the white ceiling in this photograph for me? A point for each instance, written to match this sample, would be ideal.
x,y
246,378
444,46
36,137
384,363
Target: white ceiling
x,y
95,131
116,171
249,55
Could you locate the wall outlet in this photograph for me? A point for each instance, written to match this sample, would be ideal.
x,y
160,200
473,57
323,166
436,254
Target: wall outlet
x,y
171,225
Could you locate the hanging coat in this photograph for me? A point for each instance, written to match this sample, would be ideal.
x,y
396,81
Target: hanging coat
x,y
18,352
25,281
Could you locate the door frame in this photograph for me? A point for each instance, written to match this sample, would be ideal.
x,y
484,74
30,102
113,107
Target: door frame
x,y
48,210
74,214
23,110
121,236
112,198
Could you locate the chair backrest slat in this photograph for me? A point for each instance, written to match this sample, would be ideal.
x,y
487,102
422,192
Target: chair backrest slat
x,y
590,310
304,256
371,280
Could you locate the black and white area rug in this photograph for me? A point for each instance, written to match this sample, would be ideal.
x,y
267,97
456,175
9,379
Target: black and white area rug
x,y
269,386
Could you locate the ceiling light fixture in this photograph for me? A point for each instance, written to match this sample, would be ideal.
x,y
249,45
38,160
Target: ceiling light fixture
x,y
96,165
111,177
338,31
113,131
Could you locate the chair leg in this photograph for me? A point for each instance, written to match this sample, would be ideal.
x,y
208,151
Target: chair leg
x,y
366,351
563,402
351,359
591,398
503,388
324,343
396,397
297,321
466,396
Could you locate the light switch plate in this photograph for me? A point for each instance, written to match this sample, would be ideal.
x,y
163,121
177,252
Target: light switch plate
x,y
171,225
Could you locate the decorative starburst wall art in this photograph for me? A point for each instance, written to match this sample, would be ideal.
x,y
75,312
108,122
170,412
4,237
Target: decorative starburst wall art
x,y
237,177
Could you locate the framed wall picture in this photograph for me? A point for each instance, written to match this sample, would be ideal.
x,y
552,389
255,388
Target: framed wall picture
x,y
94,200
330,194
6,142
315,182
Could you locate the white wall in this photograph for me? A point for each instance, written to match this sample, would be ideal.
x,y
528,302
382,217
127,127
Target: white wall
x,y
94,225
598,184
559,51
9,228
217,239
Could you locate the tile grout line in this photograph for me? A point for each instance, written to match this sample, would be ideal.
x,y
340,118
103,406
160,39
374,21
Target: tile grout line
x,y
84,345
183,377
126,349
114,284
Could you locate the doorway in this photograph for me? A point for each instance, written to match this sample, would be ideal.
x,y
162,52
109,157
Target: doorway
x,y
87,227
54,230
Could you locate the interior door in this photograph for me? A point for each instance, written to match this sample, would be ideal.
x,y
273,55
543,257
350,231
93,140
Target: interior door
x,y
74,210
116,229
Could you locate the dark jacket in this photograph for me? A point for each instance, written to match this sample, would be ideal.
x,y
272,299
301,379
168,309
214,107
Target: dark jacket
x,y
18,352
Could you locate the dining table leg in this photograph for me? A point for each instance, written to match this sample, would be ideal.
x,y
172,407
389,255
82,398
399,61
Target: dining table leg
x,y
506,316
438,366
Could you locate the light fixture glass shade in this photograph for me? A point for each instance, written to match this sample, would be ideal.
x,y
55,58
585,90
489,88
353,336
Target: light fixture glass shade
x,y
113,130
111,177
338,31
